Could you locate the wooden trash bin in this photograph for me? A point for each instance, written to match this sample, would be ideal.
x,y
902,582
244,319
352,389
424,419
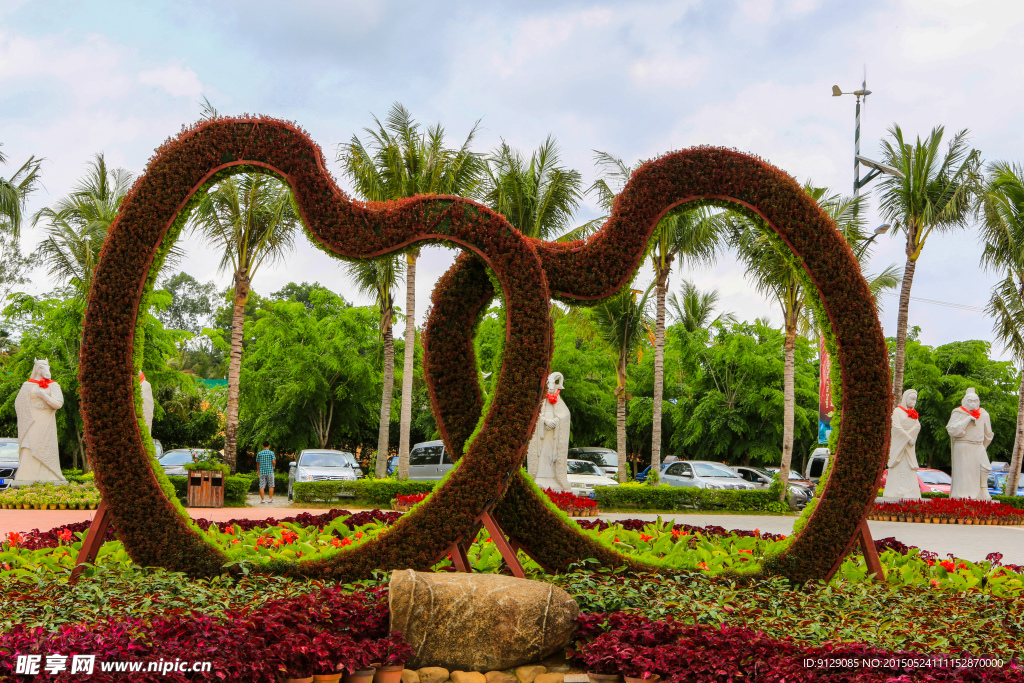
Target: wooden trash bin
x,y
205,489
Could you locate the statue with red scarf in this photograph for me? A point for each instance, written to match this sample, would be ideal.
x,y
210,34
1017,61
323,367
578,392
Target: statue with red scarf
x,y
970,433
36,405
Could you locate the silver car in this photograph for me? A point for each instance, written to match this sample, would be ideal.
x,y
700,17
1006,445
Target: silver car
x,y
9,460
703,474
429,461
605,458
322,465
174,461
762,478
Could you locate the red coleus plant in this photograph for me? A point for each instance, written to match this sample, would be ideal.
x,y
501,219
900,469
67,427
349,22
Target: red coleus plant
x,y
952,508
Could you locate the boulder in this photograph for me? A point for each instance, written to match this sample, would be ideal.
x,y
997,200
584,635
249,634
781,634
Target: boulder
x,y
527,673
409,676
468,677
549,678
433,674
478,622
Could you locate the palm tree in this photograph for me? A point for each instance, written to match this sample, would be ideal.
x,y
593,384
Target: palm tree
x,y
538,197
694,235
13,193
252,219
403,162
379,278
693,310
79,222
1002,232
933,192
622,322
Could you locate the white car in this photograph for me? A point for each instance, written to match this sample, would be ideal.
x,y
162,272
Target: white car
x,y
322,465
585,476
9,455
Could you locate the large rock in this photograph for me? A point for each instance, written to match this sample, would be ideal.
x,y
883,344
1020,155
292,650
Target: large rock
x,y
479,622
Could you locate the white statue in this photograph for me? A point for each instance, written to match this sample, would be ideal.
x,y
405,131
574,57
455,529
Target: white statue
x,y
549,447
901,480
147,402
970,432
36,405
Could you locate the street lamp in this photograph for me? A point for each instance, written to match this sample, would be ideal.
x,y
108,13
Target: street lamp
x,y
880,230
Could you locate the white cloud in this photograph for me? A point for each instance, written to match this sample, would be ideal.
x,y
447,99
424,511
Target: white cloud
x,y
667,71
177,80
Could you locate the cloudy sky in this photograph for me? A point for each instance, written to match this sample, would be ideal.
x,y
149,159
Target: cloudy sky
x,y
632,78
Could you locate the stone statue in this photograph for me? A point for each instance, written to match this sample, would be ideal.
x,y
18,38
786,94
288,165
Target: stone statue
x,y
970,432
901,480
549,447
37,404
147,402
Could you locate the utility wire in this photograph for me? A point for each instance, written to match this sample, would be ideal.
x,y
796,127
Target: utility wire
x,y
962,307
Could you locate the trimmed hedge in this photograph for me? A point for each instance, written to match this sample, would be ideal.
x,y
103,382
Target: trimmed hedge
x,y
664,497
378,492
156,533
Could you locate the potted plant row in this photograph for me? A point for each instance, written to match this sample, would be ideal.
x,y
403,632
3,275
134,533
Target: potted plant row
x,y
329,658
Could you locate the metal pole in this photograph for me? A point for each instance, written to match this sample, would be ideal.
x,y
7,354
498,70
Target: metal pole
x,y
856,153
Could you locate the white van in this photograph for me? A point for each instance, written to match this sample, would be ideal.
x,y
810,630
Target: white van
x,y
816,464
429,461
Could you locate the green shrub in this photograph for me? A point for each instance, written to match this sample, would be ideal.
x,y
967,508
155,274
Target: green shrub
x,y
280,481
377,492
664,497
207,466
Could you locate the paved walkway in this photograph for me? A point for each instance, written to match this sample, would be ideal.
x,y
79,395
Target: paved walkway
x,y
967,542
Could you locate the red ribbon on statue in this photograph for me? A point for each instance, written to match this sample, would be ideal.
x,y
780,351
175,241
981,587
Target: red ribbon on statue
x,y
553,398
142,377
911,413
973,413
42,382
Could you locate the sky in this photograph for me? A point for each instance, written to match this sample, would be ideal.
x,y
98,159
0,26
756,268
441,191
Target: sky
x,y
635,79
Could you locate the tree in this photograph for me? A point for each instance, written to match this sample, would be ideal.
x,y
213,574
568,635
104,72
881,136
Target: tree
x,y
622,322
378,278
401,161
732,406
252,218
692,234
13,193
78,224
1002,233
693,310
309,375
934,192
538,197
192,303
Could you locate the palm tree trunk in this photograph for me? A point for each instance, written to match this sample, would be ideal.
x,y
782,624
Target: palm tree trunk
x,y
659,371
620,420
1013,481
407,366
901,330
788,407
234,370
381,468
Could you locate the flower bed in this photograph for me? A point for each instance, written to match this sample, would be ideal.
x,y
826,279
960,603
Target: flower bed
x,y
573,505
947,511
46,496
639,647
403,503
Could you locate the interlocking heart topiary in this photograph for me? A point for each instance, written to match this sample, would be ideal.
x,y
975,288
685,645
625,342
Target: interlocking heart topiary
x,y
529,272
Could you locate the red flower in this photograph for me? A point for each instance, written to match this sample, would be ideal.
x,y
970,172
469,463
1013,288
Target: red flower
x,y
702,565
64,535
14,538
644,537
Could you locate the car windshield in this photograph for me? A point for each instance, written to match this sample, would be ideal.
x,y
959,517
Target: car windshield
x,y
176,458
326,460
581,467
706,470
602,458
934,477
9,451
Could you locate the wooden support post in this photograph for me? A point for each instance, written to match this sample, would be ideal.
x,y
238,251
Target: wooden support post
x,y
459,558
93,540
507,551
870,553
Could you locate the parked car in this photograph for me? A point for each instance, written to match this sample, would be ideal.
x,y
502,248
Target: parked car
x,y
928,480
997,480
642,476
605,458
322,465
428,461
816,465
9,460
392,464
174,461
800,490
584,476
158,448
703,474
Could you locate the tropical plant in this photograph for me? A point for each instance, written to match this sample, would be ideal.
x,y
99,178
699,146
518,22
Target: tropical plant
x,y
1002,233
692,234
401,161
13,193
78,224
694,308
934,191
251,218
378,278
622,322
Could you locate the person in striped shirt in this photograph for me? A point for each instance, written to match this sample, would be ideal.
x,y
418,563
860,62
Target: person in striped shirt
x,y
266,460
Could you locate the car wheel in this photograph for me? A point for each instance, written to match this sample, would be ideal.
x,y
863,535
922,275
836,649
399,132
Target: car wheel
x,y
289,491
